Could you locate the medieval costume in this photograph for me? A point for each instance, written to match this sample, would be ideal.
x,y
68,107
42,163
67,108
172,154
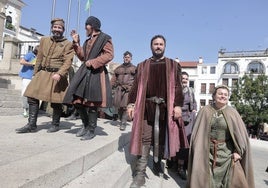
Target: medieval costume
x,y
188,116
216,135
121,83
156,91
90,87
55,56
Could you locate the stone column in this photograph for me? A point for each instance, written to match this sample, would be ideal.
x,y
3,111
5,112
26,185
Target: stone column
x,y
10,51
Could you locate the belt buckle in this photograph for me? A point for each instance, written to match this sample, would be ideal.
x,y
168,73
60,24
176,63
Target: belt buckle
x,y
158,100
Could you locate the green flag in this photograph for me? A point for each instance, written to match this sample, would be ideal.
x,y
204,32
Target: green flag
x,y
88,4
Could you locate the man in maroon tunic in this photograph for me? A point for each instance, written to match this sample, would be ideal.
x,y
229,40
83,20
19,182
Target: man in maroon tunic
x,y
155,101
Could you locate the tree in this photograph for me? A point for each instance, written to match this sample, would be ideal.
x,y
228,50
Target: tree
x,y
249,96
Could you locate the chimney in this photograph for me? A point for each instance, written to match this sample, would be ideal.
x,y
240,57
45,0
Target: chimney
x,y
177,60
200,60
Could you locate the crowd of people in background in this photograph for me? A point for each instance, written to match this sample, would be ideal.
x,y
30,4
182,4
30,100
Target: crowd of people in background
x,y
209,148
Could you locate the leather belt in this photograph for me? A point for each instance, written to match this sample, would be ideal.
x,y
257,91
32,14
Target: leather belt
x,y
215,145
49,69
157,101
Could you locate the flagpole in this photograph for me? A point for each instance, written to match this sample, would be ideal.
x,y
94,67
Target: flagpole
x,y
78,16
52,12
68,18
53,9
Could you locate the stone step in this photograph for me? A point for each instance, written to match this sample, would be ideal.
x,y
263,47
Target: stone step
x,y
7,86
5,81
169,179
112,172
8,97
10,91
10,102
11,111
52,160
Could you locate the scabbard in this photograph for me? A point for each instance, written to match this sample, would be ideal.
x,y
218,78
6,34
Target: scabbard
x,y
156,133
157,102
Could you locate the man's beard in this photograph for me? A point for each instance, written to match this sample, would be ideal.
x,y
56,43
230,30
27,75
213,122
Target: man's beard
x,y
57,35
158,55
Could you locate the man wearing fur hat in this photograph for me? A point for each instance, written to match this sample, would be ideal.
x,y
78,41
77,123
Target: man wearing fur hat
x,y
50,82
90,87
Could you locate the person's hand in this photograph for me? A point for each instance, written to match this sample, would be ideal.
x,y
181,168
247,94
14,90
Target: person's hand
x,y
177,112
75,36
56,77
130,110
88,64
236,157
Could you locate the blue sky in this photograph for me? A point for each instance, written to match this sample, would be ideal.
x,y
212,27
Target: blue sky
x,y
193,28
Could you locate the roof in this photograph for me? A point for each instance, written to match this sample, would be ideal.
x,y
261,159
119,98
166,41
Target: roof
x,y
188,64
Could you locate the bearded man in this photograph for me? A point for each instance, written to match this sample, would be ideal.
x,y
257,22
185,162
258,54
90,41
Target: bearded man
x,y
90,87
155,102
50,79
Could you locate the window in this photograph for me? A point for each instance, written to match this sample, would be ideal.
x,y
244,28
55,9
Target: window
x,y
234,82
212,70
202,103
30,48
225,81
9,23
255,67
231,68
210,101
211,87
204,70
203,88
191,83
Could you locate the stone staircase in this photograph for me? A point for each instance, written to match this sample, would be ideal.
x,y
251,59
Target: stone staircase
x,y
61,160
10,98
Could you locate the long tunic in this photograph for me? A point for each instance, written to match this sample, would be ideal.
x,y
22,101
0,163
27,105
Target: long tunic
x,y
221,149
54,54
122,81
91,86
208,160
188,116
160,79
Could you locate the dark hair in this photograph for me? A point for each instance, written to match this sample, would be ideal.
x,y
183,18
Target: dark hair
x,y
184,73
36,48
158,36
94,22
128,53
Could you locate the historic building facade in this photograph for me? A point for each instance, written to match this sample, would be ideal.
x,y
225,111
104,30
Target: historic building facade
x,y
18,40
229,68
